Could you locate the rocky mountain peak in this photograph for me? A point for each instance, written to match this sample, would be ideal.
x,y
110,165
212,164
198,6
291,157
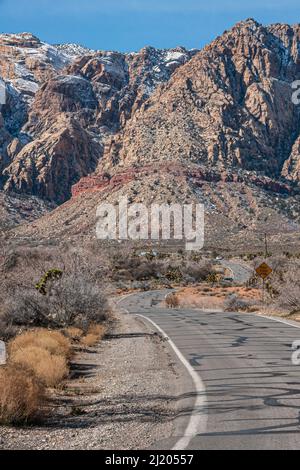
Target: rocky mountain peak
x,y
249,23
227,107
68,90
20,40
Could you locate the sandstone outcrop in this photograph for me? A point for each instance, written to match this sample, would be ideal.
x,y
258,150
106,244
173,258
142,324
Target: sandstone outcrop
x,y
230,106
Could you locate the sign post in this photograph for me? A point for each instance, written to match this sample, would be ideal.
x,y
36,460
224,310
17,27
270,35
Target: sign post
x,y
264,271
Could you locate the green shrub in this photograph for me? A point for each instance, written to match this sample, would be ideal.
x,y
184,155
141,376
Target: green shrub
x,y
51,275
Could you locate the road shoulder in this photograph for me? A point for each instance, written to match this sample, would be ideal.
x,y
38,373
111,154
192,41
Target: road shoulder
x,y
125,394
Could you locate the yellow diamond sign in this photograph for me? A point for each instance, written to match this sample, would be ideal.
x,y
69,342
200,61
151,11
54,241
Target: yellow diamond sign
x,y
264,270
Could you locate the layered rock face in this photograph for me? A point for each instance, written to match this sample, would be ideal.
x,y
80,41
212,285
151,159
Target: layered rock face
x,y
216,126
291,168
63,102
49,165
230,106
25,64
74,116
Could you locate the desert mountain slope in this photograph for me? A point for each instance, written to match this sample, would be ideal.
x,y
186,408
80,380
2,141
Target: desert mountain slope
x,y
18,209
56,94
216,126
230,106
237,214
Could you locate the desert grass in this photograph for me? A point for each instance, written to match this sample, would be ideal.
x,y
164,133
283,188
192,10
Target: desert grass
x,y
21,395
172,301
52,341
216,297
73,333
89,340
38,359
49,368
94,335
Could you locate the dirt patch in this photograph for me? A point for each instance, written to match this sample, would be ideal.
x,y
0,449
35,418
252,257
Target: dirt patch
x,y
208,296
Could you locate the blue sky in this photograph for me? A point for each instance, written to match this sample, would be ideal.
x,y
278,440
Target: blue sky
x,y
128,25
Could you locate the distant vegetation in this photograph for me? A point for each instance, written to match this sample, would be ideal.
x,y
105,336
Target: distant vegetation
x,y
55,297
45,312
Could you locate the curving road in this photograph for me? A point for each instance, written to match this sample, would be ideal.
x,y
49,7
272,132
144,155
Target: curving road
x,y
252,389
241,273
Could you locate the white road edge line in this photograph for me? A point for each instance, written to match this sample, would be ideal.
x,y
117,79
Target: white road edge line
x,y
197,422
279,320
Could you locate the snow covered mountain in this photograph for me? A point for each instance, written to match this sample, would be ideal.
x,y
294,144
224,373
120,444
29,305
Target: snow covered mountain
x,y
62,102
216,125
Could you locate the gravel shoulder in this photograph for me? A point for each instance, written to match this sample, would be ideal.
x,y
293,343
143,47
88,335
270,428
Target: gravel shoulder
x,y
124,394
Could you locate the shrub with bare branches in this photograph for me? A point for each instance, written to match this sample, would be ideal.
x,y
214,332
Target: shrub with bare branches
x,y
283,286
288,288
236,304
70,300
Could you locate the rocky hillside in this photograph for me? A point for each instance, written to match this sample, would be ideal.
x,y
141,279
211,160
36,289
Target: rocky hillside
x,y
229,107
62,104
216,126
17,209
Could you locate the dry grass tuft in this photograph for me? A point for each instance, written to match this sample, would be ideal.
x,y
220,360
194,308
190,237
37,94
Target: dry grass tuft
x,y
52,341
49,368
21,395
172,301
99,330
90,340
94,335
73,333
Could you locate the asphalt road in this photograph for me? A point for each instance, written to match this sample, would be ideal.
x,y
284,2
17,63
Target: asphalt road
x,y
252,389
241,273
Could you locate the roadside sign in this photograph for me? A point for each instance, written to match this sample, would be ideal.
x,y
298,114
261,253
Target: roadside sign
x,y
264,270
2,353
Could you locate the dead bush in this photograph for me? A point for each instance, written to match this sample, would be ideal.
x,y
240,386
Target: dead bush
x,y
288,288
236,304
94,335
73,333
73,300
283,285
99,330
7,330
172,301
147,270
52,341
78,295
21,395
134,268
90,340
197,272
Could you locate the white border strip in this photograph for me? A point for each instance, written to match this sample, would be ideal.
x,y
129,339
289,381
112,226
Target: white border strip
x,y
279,320
197,422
